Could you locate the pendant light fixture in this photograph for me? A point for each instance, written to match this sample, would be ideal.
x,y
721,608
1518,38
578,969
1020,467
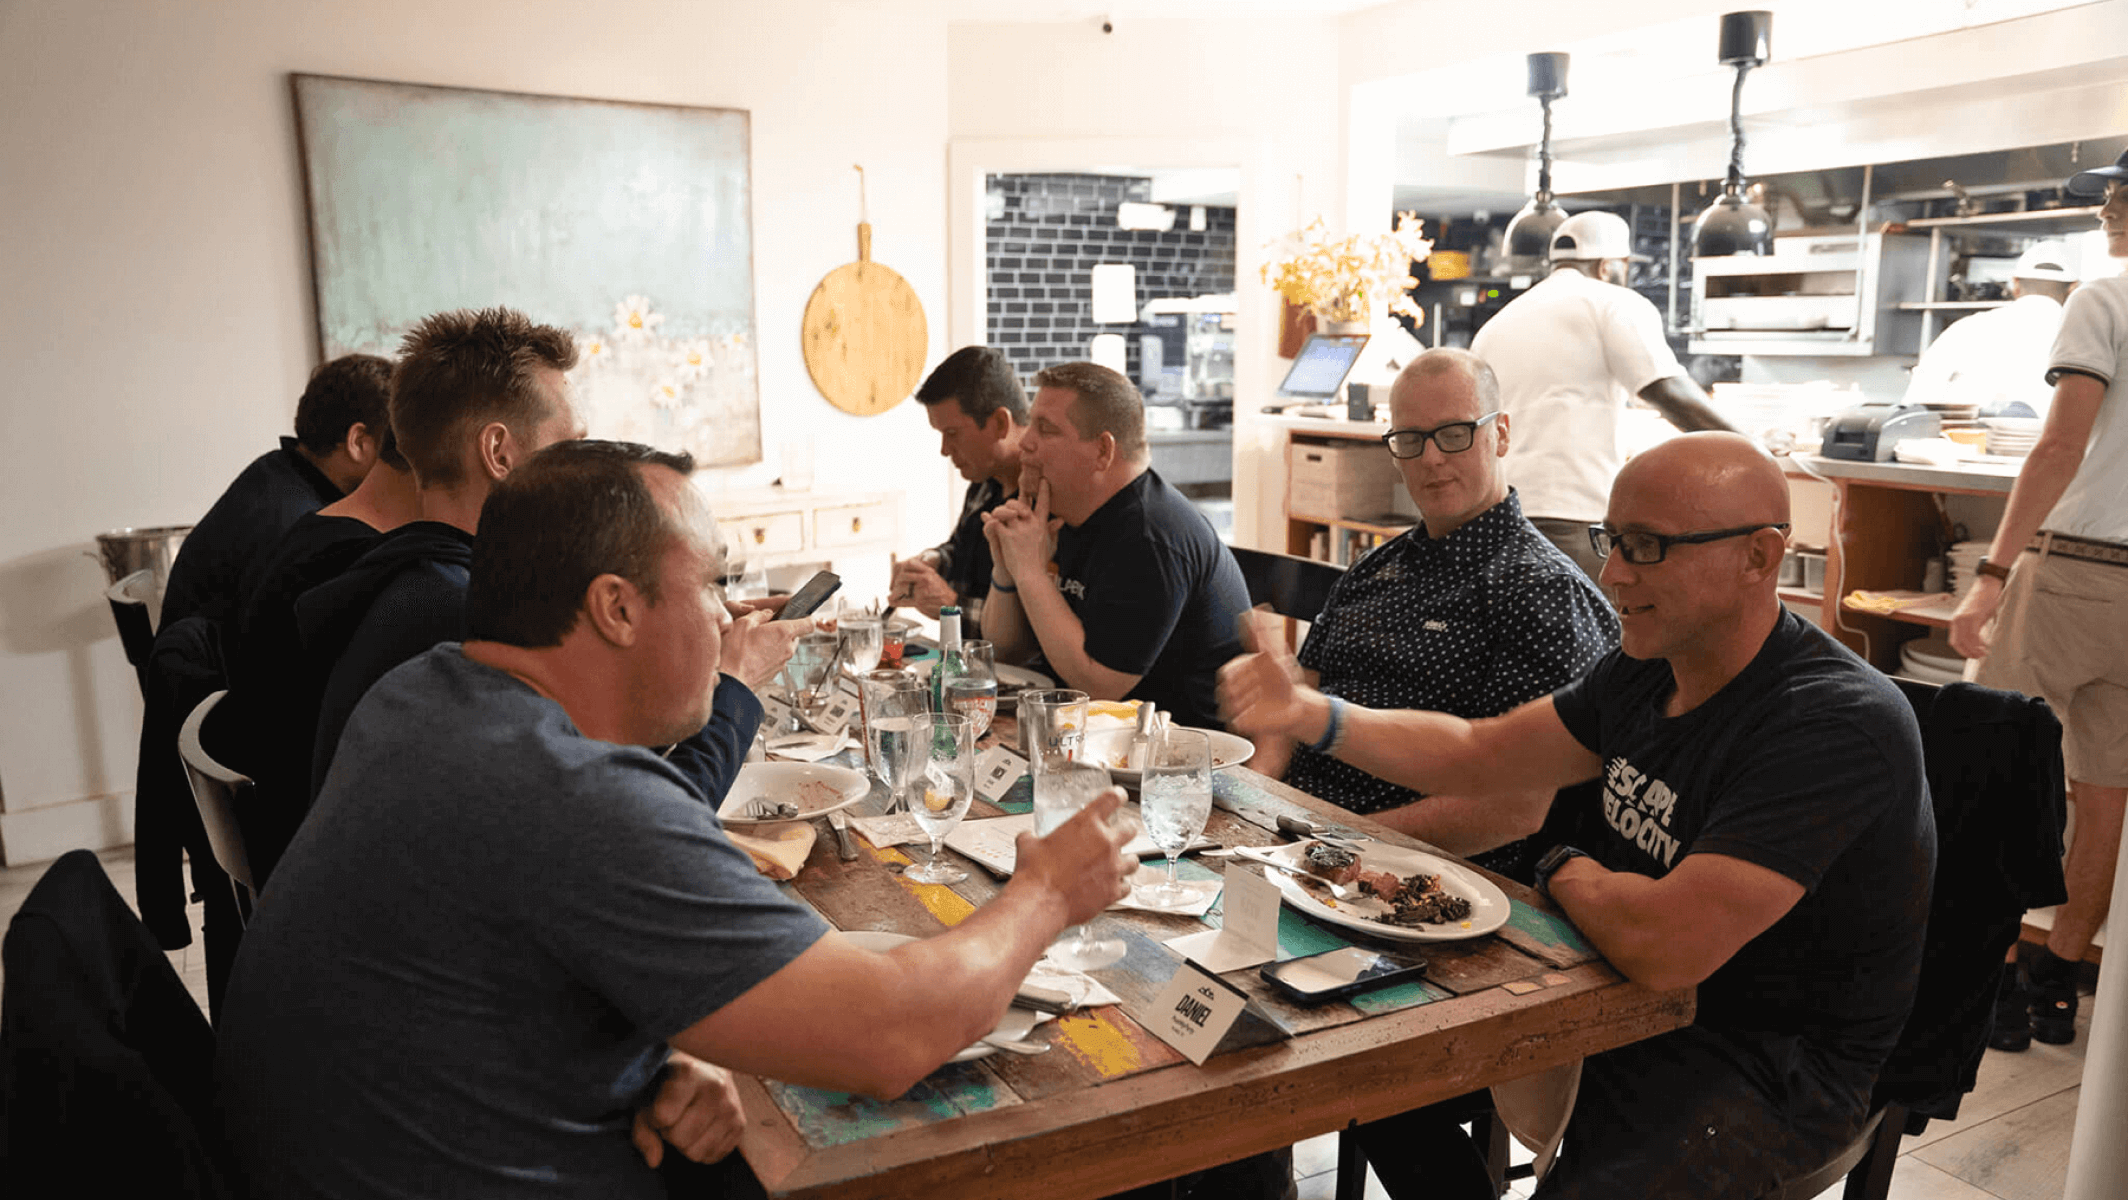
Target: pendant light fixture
x,y
1733,225
1529,234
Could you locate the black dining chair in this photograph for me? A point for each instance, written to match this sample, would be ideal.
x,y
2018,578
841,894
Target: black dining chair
x,y
1293,587
218,791
136,629
1995,783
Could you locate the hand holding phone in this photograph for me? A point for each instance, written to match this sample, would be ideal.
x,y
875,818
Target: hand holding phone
x,y
810,597
1336,974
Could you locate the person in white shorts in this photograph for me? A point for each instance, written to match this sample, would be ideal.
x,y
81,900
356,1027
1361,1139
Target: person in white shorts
x,y
2055,584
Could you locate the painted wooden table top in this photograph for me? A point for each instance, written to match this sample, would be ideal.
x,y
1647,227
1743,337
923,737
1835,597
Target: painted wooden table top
x,y
1110,1106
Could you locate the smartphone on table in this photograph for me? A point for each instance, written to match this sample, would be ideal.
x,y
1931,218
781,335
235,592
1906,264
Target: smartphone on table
x,y
810,597
1337,974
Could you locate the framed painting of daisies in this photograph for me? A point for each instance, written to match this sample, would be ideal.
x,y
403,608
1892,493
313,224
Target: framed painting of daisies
x,y
628,224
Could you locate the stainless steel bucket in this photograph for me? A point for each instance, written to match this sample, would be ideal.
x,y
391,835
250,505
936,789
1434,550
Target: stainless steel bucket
x,y
124,551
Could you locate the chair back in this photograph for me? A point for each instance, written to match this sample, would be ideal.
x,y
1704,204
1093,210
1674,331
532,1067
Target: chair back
x,y
1293,587
129,608
215,789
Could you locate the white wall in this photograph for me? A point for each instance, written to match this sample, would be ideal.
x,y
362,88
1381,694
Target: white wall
x,y
155,312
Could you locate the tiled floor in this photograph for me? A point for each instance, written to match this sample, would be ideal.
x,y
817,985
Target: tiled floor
x,y
2011,1141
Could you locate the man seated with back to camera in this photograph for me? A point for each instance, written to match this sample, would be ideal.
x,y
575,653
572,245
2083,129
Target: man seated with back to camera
x,y
502,954
1104,573
1470,612
1763,834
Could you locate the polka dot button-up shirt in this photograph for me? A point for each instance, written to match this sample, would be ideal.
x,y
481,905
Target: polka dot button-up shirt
x,y
1472,624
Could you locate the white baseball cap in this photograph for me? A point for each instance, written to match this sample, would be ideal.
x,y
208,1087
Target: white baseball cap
x,y
1593,235
2050,259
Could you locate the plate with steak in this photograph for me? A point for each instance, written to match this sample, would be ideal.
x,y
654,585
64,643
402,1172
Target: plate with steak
x,y
1392,892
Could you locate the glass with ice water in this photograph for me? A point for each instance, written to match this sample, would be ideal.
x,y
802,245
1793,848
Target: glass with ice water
x,y
892,702
1060,790
941,786
1175,798
862,635
971,684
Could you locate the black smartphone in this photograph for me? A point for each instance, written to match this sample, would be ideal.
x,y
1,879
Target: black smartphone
x,y
814,594
1336,974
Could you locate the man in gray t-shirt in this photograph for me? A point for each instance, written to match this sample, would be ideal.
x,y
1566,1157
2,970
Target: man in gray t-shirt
x,y
509,942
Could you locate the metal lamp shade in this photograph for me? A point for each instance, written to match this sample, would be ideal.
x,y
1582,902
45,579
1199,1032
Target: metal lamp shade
x,y
1529,235
1732,226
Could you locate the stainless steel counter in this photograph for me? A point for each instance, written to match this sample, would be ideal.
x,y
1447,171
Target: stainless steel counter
x,y
1995,477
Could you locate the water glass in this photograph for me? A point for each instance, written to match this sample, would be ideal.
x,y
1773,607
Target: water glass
x,y
1052,725
972,689
890,702
861,637
1060,790
805,675
941,786
1175,796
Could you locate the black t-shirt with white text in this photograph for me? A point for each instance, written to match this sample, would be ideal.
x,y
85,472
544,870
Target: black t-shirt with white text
x,y
1158,594
1808,763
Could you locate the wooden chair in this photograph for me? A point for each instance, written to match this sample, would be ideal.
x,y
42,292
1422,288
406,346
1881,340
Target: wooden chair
x,y
215,789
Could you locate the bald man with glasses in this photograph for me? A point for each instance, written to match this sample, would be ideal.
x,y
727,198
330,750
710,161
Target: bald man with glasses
x,y
1470,612
1762,832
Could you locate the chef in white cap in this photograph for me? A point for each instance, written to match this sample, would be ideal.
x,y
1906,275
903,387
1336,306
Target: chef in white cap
x,y
1570,354
1999,356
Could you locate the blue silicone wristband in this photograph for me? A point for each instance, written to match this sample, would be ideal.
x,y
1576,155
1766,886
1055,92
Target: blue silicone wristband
x,y
1327,744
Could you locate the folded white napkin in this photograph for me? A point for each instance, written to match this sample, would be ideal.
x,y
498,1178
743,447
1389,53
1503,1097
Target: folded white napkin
x,y
807,747
1204,892
1085,991
895,829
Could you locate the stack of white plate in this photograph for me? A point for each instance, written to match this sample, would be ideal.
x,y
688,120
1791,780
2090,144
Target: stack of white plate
x,y
2013,437
1961,565
1931,660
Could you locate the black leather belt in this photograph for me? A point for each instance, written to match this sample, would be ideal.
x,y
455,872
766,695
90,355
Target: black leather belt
x,y
2081,549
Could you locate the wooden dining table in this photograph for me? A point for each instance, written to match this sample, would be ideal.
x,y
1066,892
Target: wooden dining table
x,y
1110,1106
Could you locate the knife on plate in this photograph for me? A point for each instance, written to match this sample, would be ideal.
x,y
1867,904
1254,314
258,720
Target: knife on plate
x,y
1301,827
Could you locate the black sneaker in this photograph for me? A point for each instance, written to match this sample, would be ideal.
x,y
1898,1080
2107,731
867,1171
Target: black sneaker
x,y
2053,999
2013,1020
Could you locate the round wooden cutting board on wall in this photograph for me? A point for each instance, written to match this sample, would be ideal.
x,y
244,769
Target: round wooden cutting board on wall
x,y
865,334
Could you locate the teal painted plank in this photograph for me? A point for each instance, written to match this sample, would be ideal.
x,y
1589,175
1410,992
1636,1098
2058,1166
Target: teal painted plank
x,y
1555,932
825,1118
1403,995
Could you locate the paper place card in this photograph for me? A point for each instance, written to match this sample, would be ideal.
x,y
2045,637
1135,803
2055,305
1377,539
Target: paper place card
x,y
992,843
834,715
1248,932
996,770
1195,1011
776,716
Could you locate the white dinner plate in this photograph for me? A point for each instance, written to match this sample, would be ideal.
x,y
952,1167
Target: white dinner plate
x,y
1014,1026
1108,747
1011,680
816,788
1488,904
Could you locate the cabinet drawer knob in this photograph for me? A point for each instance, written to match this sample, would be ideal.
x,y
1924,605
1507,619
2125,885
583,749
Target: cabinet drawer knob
x,y
760,535
856,524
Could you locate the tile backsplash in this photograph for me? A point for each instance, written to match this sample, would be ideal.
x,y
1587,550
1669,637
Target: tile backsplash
x,y
1045,235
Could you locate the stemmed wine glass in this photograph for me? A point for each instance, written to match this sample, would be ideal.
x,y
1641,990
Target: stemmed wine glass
x,y
1061,789
972,688
892,702
1175,796
941,786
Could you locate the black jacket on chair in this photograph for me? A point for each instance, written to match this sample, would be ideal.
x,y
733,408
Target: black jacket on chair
x,y
1995,779
106,1064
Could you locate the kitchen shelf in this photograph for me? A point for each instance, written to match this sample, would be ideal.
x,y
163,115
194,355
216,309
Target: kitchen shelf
x,y
1960,305
2031,224
1796,595
1385,528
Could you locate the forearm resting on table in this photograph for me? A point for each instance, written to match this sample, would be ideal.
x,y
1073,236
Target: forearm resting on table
x,y
1063,641
1467,825
937,994
1675,931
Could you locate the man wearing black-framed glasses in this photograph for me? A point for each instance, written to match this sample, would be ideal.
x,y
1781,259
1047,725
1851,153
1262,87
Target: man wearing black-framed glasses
x,y
1763,832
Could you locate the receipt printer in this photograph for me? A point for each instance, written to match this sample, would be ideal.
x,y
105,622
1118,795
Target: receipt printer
x,y
1869,432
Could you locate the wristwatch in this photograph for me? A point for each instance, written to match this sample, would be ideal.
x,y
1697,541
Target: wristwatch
x,y
1993,570
1549,865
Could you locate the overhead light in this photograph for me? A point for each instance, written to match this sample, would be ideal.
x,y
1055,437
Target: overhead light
x,y
1733,225
1529,233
